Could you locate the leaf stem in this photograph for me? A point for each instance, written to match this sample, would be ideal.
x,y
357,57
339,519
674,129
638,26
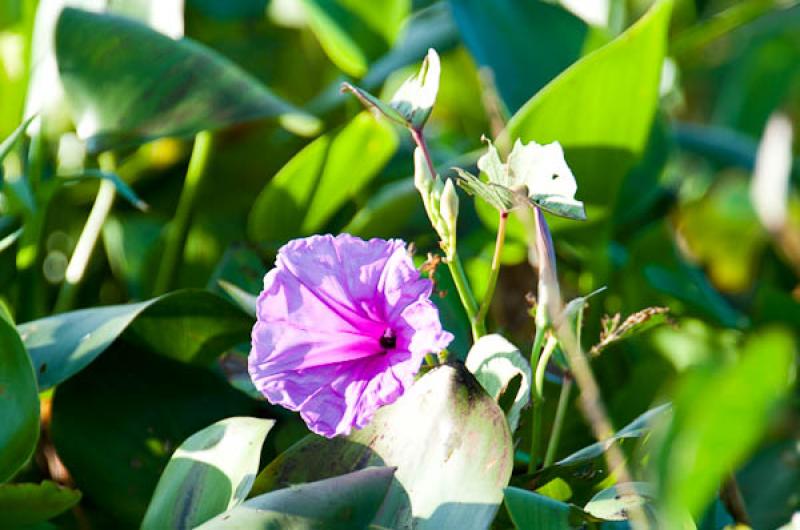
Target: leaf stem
x,y
453,260
76,269
179,227
536,402
558,423
495,271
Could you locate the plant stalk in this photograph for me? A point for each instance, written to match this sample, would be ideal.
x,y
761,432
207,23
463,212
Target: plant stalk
x,y
558,423
453,260
178,229
495,271
76,269
536,402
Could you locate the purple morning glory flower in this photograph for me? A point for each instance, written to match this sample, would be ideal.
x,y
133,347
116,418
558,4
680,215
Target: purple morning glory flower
x,y
343,325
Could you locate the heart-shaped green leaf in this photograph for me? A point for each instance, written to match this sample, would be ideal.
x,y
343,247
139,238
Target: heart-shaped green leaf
x,y
25,504
191,326
128,84
314,184
19,403
601,108
210,473
116,423
346,502
448,439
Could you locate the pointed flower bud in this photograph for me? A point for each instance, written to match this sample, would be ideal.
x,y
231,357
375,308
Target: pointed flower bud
x,y
548,293
448,208
413,102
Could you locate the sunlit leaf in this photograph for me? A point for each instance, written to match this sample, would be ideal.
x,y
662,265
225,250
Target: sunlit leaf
x,y
352,33
121,96
340,503
601,108
702,444
116,423
449,441
314,184
495,362
192,326
210,473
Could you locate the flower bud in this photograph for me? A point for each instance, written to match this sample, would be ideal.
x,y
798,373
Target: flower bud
x,y
448,209
423,180
549,294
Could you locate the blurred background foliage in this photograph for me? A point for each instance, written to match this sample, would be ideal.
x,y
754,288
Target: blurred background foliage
x,y
663,153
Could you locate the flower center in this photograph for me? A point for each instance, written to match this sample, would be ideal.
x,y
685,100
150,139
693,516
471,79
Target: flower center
x,y
388,340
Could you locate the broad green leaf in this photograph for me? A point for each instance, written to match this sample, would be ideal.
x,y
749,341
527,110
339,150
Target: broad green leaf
x,y
25,504
19,403
449,441
45,93
495,363
191,326
121,96
601,108
116,423
702,444
353,33
346,502
531,511
502,35
314,184
210,473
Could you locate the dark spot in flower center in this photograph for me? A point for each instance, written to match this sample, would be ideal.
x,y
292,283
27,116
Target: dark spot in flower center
x,y
388,340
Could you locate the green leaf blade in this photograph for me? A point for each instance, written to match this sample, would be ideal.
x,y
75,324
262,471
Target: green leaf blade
x,y
19,403
340,503
121,96
210,473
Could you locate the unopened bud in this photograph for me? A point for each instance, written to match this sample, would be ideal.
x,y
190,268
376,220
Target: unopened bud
x,y
423,180
448,212
549,294
448,205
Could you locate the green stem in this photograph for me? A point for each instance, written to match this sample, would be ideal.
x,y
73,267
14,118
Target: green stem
x,y
76,269
465,294
495,272
453,260
541,367
536,405
179,227
558,423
